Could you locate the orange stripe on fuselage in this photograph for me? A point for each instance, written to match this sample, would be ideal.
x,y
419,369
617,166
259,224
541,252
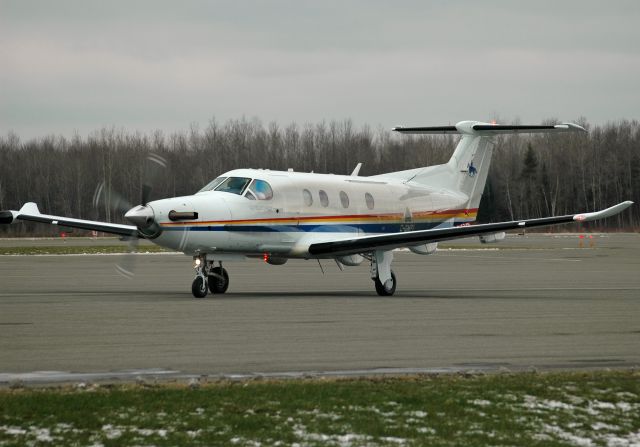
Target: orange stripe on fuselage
x,y
420,215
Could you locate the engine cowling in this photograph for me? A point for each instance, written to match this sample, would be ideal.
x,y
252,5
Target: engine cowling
x,y
424,249
351,260
492,238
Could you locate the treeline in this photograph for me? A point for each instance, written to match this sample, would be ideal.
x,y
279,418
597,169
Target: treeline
x,y
531,175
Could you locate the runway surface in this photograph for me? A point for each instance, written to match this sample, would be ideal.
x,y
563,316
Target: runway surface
x,y
538,301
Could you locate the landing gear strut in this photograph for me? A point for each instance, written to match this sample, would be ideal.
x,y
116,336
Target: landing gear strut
x,y
208,277
381,273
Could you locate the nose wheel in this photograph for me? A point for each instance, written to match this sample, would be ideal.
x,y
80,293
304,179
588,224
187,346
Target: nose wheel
x,y
199,287
208,277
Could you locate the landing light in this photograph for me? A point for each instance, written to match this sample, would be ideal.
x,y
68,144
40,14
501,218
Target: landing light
x,y
196,263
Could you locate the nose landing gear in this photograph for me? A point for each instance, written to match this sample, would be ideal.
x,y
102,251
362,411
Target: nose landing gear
x,y
208,277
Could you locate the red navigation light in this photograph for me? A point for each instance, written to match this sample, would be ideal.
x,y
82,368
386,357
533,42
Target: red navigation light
x,y
265,257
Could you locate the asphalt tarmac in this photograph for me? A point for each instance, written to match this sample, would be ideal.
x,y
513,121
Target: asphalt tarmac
x,y
535,301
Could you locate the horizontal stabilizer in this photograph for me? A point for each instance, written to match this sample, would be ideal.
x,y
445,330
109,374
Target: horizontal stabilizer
x,y
479,128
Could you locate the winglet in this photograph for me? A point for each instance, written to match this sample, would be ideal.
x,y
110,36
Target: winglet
x,y
29,208
611,211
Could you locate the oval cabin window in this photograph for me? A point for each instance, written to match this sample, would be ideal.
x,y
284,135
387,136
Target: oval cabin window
x,y
344,199
324,198
369,199
306,196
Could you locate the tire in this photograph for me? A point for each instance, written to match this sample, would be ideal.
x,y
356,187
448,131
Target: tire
x,y
382,291
199,287
219,280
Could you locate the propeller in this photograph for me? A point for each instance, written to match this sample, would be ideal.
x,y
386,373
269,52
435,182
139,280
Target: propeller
x,y
141,216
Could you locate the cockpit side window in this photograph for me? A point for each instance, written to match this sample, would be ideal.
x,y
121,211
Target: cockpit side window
x,y
234,185
212,185
261,190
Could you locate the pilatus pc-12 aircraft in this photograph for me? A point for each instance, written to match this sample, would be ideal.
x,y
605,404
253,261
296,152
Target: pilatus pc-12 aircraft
x,y
276,215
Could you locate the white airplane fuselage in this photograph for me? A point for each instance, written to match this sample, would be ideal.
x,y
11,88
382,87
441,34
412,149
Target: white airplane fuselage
x,y
299,213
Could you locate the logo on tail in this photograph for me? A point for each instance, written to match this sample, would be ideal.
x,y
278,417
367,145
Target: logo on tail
x,y
471,169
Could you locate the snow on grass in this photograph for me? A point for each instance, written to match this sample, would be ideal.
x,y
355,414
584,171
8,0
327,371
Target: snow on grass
x,y
481,402
603,410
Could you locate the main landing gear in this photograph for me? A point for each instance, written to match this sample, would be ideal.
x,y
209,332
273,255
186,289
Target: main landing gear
x,y
381,273
208,277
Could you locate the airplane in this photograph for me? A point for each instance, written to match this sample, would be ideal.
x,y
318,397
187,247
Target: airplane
x,y
280,215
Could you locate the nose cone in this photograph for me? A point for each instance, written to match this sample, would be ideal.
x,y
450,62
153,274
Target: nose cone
x,y
140,216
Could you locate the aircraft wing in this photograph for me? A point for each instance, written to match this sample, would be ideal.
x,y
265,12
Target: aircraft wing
x,y
409,238
30,212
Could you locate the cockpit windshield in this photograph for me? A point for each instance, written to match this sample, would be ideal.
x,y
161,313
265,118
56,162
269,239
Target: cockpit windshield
x,y
234,185
211,185
259,189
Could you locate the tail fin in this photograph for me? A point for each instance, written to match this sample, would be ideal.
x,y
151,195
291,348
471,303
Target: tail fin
x,y
466,172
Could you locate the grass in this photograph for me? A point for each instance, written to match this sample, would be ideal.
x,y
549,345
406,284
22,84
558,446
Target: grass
x,y
528,409
74,250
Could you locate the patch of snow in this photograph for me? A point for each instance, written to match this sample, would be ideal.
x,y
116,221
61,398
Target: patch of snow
x,y
603,426
194,433
111,432
630,440
534,403
345,440
566,436
12,430
393,439
481,402
426,430
42,434
602,405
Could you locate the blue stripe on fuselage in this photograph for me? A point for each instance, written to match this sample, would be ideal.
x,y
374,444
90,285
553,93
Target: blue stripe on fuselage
x,y
321,228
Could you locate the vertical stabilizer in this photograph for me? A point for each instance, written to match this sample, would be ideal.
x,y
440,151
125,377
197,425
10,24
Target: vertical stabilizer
x,y
466,172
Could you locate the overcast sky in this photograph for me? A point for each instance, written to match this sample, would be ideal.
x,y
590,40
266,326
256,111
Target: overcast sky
x,y
71,66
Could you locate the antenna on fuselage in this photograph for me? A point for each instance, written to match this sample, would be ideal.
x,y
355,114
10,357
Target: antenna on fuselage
x,y
356,170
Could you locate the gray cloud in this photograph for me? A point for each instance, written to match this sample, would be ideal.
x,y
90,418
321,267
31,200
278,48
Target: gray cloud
x,y
146,65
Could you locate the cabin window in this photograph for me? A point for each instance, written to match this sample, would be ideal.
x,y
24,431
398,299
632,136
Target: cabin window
x,y
307,197
211,185
324,198
234,185
344,199
369,199
261,190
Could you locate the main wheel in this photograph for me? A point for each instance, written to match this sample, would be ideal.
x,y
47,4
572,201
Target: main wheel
x,y
199,287
218,280
382,290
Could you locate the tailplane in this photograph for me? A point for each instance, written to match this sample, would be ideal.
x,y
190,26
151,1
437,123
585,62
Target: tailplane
x,y
466,171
